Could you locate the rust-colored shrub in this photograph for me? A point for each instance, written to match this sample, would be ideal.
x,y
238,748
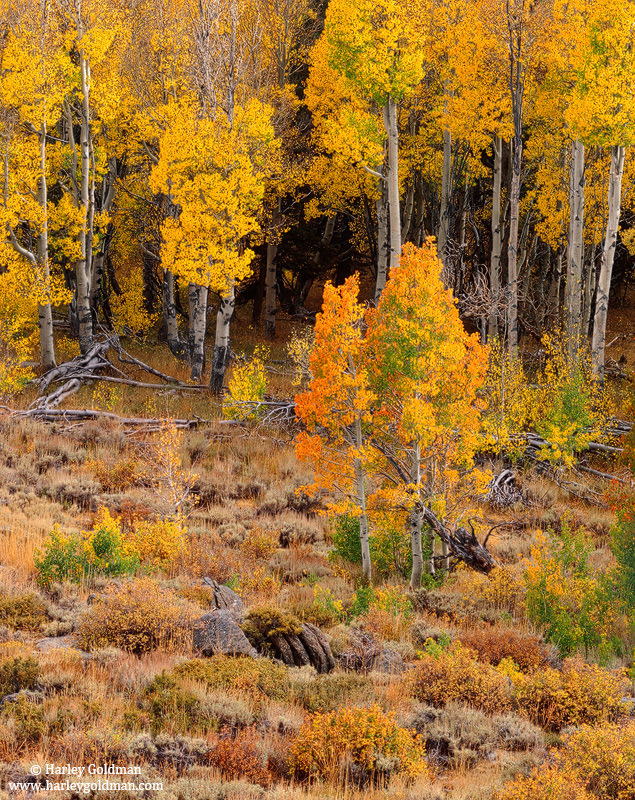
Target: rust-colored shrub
x,y
455,674
239,756
495,644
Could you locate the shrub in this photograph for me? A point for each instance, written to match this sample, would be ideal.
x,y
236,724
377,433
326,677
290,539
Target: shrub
x,y
495,644
580,693
246,389
455,731
29,724
138,617
157,544
18,673
566,599
259,543
169,705
25,612
604,758
455,675
255,677
357,744
240,756
345,536
546,783
116,477
76,557
596,763
329,692
264,624
623,547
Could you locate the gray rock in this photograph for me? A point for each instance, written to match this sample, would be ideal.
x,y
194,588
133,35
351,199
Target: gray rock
x,y
389,661
218,633
225,598
629,706
32,697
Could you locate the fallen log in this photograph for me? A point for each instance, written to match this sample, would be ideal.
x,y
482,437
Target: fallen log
x,y
44,414
462,544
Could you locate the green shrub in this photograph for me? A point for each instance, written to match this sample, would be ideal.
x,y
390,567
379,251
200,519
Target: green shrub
x,y
25,612
18,673
256,677
329,692
623,547
362,601
346,542
169,705
572,604
77,557
262,625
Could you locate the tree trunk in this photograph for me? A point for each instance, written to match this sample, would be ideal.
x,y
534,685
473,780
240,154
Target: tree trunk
x,y
197,328
575,250
170,321
361,502
271,283
414,520
82,200
220,357
444,210
383,243
512,250
495,260
44,311
99,259
608,256
392,180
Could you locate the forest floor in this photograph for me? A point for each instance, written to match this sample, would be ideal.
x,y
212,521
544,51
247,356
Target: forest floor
x,y
229,730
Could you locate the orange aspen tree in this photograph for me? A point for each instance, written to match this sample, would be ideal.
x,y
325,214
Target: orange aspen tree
x,y
425,371
336,408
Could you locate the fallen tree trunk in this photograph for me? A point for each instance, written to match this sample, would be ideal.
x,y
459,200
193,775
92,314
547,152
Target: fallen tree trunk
x,y
461,543
44,414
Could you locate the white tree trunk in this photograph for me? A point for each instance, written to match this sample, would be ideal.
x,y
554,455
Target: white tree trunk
x,y
361,502
83,265
44,311
392,180
495,259
414,521
575,250
170,321
197,329
608,256
512,251
383,243
444,210
271,283
220,357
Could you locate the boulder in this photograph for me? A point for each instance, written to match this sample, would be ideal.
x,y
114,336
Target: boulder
x,y
388,661
218,633
225,598
27,694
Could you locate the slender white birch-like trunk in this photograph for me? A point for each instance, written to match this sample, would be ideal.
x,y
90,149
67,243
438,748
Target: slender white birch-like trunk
x,y
608,256
495,259
392,180
575,250
198,326
220,357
